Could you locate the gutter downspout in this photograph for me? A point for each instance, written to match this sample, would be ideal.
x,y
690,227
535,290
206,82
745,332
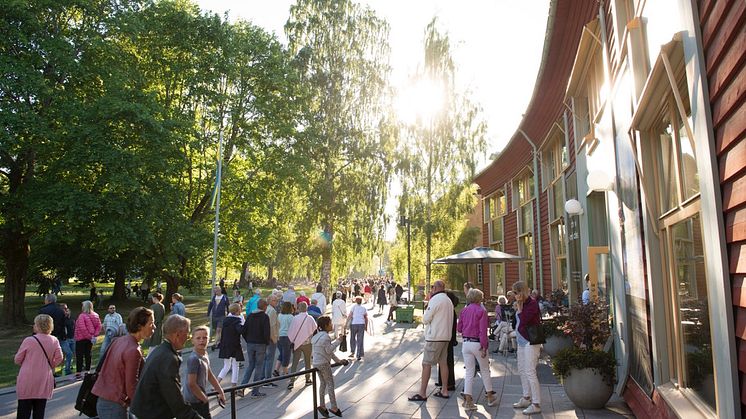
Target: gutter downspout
x,y
538,211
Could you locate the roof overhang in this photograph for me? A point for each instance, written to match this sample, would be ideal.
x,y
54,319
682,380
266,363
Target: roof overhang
x,y
590,43
658,85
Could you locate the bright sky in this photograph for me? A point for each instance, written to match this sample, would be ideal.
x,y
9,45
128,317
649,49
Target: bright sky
x,y
497,47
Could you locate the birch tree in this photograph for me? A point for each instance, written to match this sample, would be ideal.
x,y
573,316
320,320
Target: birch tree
x,y
346,53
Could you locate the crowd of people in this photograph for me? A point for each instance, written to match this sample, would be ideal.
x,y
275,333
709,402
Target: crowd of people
x,y
278,331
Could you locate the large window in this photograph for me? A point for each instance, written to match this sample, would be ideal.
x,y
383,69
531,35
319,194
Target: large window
x,y
663,121
524,184
498,203
559,255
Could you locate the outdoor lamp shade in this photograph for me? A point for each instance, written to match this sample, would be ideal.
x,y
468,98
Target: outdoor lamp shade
x,y
573,207
599,180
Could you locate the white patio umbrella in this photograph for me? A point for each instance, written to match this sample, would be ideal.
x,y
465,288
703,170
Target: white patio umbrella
x,y
478,255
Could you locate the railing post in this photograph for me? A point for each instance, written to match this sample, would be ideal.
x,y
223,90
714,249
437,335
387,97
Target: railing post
x,y
315,397
233,404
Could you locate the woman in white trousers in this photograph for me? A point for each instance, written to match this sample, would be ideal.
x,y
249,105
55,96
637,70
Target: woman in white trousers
x,y
473,325
528,314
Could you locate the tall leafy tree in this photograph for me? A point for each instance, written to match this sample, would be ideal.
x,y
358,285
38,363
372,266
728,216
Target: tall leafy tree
x,y
345,48
439,150
52,91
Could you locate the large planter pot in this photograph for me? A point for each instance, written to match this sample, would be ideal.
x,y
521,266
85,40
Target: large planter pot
x,y
586,388
555,344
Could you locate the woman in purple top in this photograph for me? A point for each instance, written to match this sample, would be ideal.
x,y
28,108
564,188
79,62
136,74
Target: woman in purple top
x,y
527,314
473,324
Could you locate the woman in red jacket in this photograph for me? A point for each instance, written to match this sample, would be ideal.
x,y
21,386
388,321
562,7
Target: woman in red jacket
x,y
87,327
117,380
527,314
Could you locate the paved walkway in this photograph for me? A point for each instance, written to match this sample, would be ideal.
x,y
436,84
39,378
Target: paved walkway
x,y
378,387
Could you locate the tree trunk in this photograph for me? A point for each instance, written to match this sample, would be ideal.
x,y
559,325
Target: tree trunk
x,y
15,251
243,281
119,293
326,259
270,272
172,286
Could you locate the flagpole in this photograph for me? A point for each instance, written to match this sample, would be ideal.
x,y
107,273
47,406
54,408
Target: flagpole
x,y
216,229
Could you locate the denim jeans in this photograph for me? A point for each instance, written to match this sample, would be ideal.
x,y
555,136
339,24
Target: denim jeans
x,y
357,334
108,409
255,356
269,359
68,348
107,341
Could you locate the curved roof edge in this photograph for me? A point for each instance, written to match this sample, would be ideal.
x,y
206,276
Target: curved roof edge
x,y
565,21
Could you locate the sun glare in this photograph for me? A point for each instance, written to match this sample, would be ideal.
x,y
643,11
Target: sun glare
x,y
420,101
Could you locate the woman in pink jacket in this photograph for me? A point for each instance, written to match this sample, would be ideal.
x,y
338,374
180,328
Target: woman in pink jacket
x,y
37,356
87,327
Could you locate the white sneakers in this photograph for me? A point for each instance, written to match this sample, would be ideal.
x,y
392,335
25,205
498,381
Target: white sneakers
x,y
531,410
523,402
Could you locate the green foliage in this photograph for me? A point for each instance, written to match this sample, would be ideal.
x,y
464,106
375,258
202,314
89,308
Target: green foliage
x,y
342,48
588,325
554,326
107,160
570,358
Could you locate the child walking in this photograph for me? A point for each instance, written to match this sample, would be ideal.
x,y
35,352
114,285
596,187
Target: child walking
x,y
323,353
199,374
230,343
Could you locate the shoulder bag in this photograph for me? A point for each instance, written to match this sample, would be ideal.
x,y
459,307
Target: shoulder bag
x,y
86,401
47,358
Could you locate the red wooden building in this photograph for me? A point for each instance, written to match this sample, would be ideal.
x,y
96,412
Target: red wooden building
x,y
630,166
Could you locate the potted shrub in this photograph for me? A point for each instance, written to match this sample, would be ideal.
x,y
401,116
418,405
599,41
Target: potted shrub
x,y
557,339
588,372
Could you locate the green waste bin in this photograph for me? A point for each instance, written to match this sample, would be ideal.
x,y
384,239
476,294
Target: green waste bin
x,y
405,314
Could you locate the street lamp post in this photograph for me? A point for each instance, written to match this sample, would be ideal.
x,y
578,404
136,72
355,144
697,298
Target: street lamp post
x,y
404,221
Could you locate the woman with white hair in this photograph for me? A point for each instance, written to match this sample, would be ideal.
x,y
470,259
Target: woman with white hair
x,y
38,355
87,327
472,324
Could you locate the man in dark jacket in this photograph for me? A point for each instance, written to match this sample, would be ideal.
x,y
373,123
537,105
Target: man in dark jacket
x,y
256,334
54,311
158,394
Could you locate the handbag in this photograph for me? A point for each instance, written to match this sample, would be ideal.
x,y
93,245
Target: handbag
x,y
47,357
86,401
343,344
536,334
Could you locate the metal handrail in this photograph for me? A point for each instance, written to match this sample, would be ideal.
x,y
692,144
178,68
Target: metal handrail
x,y
312,371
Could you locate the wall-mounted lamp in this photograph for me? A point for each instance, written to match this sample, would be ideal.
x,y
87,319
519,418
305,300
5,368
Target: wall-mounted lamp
x,y
599,181
573,207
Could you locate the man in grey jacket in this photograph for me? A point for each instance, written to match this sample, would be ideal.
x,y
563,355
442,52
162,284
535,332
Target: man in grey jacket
x,y
158,394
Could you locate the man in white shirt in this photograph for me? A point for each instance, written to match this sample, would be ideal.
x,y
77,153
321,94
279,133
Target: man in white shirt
x,y
438,321
339,315
320,299
111,327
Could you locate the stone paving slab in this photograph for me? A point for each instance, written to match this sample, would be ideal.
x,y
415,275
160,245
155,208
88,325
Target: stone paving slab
x,y
378,387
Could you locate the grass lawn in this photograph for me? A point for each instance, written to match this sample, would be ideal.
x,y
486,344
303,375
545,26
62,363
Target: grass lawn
x,y
10,338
